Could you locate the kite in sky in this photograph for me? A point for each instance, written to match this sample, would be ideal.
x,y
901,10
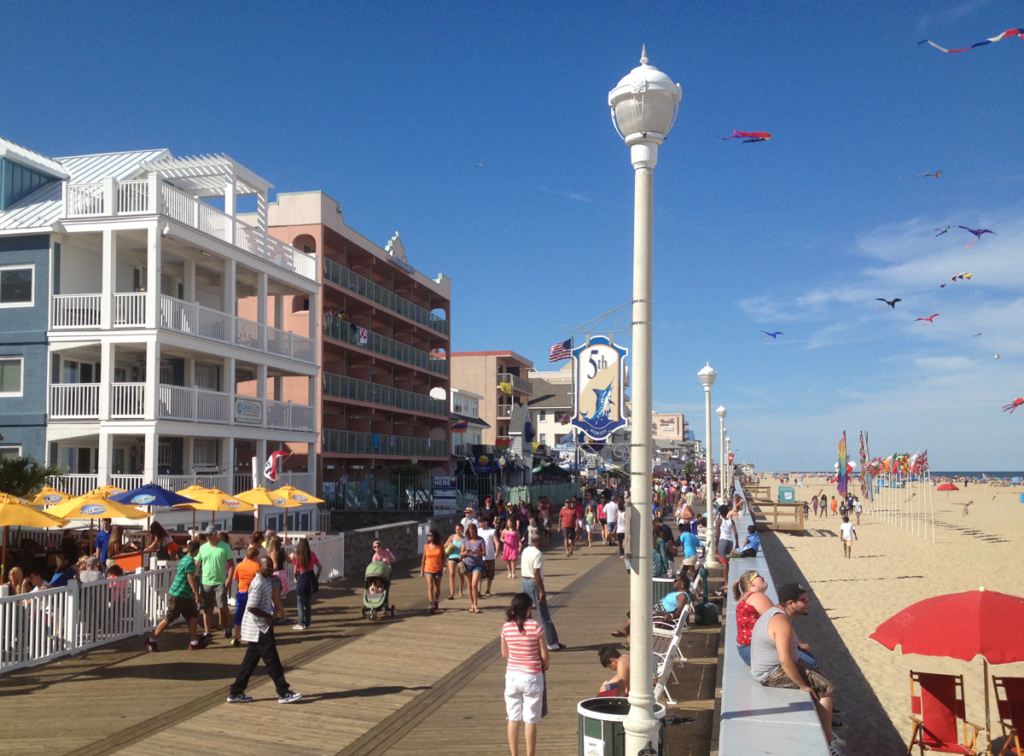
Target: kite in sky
x,y
977,233
1013,405
928,319
976,335
772,335
749,136
989,41
889,302
962,276
943,230
925,175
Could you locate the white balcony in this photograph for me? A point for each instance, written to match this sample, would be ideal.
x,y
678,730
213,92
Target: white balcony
x,y
127,400
82,311
193,405
74,401
150,196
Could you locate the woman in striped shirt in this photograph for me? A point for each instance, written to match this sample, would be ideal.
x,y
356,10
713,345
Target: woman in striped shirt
x,y
524,645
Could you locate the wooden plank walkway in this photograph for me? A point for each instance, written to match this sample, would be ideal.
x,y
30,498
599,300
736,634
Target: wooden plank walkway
x,y
404,684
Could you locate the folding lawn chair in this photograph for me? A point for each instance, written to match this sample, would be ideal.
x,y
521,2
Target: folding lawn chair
x,y
935,710
1010,703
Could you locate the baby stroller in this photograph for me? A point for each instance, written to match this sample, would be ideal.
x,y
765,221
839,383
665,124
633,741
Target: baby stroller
x,y
377,590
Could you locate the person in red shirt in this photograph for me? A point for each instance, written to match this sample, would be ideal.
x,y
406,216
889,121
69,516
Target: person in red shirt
x,y
568,519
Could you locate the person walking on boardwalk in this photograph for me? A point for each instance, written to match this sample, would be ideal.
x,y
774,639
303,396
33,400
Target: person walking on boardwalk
x,y
532,568
522,643
217,564
182,600
307,582
258,632
510,547
453,548
473,552
432,565
567,518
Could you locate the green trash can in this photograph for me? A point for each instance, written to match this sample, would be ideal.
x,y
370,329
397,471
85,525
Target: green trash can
x,y
601,731
787,495
662,587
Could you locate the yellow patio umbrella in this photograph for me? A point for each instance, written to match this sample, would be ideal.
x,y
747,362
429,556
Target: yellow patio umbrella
x,y
93,505
290,497
259,496
50,496
105,491
211,500
14,512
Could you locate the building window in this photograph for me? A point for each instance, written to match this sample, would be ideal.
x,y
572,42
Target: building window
x,y
205,452
543,439
10,376
163,454
16,288
542,416
10,451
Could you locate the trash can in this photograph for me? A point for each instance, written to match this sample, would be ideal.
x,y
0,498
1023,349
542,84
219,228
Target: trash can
x,y
787,495
601,731
662,587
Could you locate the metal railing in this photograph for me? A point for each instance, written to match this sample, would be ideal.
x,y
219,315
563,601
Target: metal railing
x,y
349,279
504,410
345,387
521,385
290,416
351,442
341,330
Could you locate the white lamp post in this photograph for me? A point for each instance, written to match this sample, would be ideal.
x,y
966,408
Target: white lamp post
x,y
707,377
644,106
728,456
722,412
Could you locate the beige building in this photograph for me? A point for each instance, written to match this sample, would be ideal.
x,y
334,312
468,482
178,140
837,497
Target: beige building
x,y
669,426
500,380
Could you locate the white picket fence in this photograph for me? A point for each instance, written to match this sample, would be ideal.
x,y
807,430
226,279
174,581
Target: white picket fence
x,y
55,622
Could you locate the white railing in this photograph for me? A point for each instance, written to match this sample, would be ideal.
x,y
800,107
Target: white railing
x,y
180,482
213,406
127,400
302,481
75,311
127,482
74,484
288,344
74,400
249,334
289,416
132,197
183,403
84,200
130,309
194,319
199,215
46,625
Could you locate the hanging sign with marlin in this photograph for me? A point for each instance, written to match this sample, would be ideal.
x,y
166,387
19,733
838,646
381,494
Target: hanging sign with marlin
x,y
597,378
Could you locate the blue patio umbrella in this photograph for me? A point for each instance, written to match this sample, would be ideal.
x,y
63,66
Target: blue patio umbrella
x,y
151,495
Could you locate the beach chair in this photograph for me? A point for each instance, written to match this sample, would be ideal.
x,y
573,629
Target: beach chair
x,y
1010,704
936,704
667,652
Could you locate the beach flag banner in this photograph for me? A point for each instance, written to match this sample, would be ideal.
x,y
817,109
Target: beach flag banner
x,y
561,351
460,427
270,469
843,474
506,388
597,383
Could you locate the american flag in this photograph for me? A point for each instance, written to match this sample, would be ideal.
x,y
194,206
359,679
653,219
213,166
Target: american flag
x,y
561,351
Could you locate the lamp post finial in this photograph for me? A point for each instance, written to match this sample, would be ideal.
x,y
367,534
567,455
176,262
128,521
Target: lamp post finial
x,y
643,55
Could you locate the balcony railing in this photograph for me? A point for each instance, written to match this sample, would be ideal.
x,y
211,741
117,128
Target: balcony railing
x,y
127,400
75,311
521,385
130,309
364,287
338,329
364,391
74,401
290,416
193,404
206,323
504,410
149,196
350,442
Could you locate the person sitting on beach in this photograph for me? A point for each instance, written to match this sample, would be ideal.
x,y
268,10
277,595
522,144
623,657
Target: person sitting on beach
x,y
750,545
774,662
619,664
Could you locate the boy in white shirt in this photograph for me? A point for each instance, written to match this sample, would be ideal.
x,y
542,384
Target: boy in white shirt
x,y
848,532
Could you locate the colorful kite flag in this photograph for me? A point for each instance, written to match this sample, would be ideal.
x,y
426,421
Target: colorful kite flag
x,y
843,461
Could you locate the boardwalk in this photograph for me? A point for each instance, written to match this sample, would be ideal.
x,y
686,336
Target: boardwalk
x,y
404,685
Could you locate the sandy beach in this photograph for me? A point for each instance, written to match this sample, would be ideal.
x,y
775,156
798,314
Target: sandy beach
x,y
890,570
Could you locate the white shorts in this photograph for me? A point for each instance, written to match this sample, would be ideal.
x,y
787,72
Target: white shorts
x,y
589,527
524,696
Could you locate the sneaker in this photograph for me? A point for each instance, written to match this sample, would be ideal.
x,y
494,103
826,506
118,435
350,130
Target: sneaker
x,y
195,646
206,638
290,697
227,632
835,749
239,698
556,647
836,724
838,741
236,642
151,645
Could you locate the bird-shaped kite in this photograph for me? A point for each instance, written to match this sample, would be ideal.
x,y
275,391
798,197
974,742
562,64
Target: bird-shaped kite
x,y
943,230
929,319
962,276
976,335
889,302
772,335
479,165
989,41
748,136
1013,405
924,175
977,233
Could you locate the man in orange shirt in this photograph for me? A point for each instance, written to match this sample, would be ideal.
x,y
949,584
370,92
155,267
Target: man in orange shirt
x,y
244,573
568,519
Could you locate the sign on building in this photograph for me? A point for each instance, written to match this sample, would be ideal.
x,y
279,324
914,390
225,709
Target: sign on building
x,y
597,378
445,495
249,411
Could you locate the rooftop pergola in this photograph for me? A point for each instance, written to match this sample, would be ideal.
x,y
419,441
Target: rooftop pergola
x,y
213,176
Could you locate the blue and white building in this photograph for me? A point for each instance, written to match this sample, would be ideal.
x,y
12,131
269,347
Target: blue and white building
x,y
142,322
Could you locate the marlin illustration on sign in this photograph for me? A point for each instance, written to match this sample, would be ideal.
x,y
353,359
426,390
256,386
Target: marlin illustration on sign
x,y
597,395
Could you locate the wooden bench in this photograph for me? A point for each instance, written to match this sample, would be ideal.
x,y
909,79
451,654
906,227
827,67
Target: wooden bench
x,y
755,719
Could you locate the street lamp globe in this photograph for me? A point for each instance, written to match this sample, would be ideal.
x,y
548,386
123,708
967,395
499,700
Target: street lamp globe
x,y
721,412
707,376
644,104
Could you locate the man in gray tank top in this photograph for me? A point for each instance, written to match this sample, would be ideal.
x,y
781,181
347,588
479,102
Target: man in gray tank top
x,y
774,660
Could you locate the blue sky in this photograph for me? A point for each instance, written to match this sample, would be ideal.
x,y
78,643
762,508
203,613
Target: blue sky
x,y
389,108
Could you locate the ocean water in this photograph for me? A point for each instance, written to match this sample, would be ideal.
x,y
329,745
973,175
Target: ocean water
x,y
975,474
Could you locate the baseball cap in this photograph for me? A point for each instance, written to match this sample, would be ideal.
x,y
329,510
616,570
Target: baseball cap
x,y
791,591
210,530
